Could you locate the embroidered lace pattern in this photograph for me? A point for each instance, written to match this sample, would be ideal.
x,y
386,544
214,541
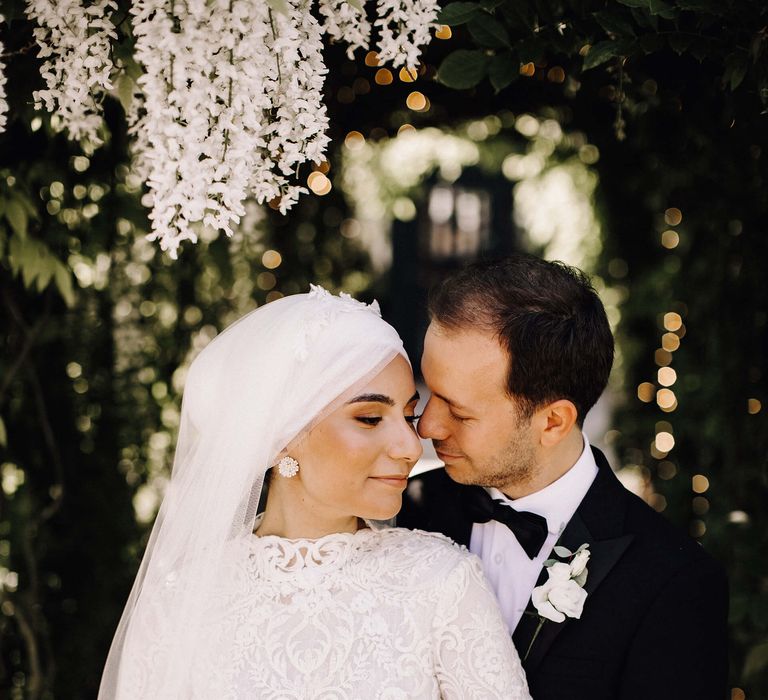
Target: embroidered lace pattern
x,y
389,615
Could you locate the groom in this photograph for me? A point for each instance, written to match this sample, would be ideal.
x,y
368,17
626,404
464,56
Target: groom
x,y
517,352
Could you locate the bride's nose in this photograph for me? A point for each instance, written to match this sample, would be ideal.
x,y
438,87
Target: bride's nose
x,y
406,444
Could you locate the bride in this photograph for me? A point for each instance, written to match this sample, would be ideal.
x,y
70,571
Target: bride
x,y
310,399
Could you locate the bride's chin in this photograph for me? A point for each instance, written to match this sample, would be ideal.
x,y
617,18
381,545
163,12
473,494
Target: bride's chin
x,y
383,511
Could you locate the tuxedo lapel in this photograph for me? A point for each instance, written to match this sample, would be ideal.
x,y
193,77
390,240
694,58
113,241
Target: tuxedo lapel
x,y
597,522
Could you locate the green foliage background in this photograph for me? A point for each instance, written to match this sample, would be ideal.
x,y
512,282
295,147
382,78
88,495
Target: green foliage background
x,y
95,321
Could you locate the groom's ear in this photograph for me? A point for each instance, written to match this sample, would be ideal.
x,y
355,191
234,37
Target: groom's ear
x,y
557,420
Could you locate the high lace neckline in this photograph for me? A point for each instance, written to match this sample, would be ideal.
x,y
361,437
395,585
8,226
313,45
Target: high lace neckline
x,y
330,552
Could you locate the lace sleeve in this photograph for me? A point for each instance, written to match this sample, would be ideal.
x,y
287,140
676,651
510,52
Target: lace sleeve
x,y
474,654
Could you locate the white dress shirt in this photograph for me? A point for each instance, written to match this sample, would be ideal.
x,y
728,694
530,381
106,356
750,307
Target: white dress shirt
x,y
511,573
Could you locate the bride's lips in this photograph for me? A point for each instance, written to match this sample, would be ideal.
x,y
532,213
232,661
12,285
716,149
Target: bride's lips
x,y
397,480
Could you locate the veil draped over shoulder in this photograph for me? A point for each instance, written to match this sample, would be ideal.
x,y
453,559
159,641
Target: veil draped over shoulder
x,y
264,380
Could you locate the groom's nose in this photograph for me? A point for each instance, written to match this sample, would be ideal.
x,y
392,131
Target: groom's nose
x,y
432,425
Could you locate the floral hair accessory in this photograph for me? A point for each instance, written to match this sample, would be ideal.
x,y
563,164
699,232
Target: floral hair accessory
x,y
326,307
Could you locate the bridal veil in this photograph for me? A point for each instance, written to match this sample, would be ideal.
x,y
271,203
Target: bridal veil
x,y
263,381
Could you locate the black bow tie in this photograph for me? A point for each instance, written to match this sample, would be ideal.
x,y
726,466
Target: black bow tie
x,y
529,529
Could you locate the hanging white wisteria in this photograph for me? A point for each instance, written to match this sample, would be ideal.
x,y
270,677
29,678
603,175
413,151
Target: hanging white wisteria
x,y
75,42
3,101
229,102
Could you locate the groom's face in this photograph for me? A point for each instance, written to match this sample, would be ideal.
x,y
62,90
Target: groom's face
x,y
477,429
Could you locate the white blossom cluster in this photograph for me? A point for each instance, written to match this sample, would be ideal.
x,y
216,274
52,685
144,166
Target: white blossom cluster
x,y
229,104
232,105
75,43
3,79
345,22
404,29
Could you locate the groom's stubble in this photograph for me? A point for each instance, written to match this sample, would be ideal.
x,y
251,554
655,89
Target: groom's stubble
x,y
513,466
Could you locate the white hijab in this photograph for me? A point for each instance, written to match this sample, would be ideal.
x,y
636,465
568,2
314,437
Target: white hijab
x,y
267,378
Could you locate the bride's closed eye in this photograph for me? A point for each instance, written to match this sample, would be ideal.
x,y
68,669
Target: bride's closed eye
x,y
375,420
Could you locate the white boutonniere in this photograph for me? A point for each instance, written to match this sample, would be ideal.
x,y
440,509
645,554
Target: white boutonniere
x,y
563,594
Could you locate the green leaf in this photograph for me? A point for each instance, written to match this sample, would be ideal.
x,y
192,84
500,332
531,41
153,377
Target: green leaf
x,y
736,65
3,433
644,4
644,18
463,69
550,562
614,21
125,91
458,13
600,53
279,6
491,4
2,206
662,9
581,579
15,252
63,278
356,4
47,267
504,68
562,552
17,217
488,32
33,255
757,660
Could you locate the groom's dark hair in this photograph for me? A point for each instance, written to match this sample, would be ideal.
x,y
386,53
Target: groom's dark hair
x,y
548,318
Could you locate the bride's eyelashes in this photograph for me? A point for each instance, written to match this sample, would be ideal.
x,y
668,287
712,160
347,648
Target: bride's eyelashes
x,y
375,420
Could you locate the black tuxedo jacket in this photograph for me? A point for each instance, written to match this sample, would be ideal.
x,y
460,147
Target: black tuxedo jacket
x,y
654,622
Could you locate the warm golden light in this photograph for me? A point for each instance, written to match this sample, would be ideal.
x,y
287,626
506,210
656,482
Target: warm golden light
x,y
670,239
666,399
670,342
673,216
405,128
556,74
323,166
666,376
416,101
354,140
665,441
698,528
319,183
407,76
266,281
754,406
738,694
527,69
444,32
646,391
372,59
383,77
673,321
700,505
271,259
662,357
700,483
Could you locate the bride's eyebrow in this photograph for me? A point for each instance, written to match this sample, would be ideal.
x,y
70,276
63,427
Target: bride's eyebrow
x,y
380,398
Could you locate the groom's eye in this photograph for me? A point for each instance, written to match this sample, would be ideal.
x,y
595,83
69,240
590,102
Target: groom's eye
x,y
457,417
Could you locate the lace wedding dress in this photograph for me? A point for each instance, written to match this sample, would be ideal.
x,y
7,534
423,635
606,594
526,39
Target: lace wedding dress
x,y
378,614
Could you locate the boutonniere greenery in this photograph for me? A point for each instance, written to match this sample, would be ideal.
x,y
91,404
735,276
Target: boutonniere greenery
x,y
563,594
